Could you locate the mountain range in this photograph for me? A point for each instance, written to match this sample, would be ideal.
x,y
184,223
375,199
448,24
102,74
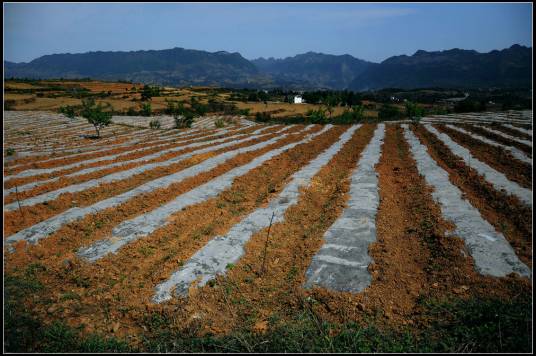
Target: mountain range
x,y
454,68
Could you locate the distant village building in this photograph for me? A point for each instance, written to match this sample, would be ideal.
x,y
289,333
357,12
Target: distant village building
x,y
298,99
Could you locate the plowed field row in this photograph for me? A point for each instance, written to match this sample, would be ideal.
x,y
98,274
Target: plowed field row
x,y
226,228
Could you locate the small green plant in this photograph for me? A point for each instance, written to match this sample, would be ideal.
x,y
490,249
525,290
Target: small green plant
x,y
155,124
263,117
146,109
318,116
219,123
147,251
183,117
389,112
10,151
353,115
197,107
70,296
413,111
183,121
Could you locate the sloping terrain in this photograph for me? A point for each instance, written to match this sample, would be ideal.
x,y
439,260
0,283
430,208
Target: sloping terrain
x,y
454,68
210,230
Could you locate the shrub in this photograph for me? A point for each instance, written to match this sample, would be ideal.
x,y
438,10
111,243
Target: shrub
x,y
468,105
230,109
184,120
146,109
197,107
244,112
148,92
155,124
413,111
174,107
318,116
353,115
219,123
10,151
9,104
68,111
263,117
389,112
132,112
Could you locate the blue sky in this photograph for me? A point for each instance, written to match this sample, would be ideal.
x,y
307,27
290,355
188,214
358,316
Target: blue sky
x,y
371,31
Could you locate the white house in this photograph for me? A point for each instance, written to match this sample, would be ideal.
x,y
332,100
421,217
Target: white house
x,y
298,99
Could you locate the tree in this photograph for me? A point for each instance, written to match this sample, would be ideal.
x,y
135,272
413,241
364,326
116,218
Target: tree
x,y
253,97
263,116
330,102
317,116
197,107
148,92
68,111
413,111
95,114
389,112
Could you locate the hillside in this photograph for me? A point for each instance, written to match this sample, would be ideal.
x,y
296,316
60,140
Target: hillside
x,y
314,70
453,68
458,68
177,66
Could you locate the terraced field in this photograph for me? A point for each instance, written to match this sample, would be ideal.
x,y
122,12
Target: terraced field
x,y
216,228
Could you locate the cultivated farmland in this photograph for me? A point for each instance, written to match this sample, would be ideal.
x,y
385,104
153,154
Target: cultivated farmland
x,y
211,230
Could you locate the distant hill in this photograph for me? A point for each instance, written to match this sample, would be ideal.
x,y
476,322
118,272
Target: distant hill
x,y
314,70
454,68
177,66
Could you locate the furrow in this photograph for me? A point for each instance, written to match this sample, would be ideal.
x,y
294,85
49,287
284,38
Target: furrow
x,y
214,258
125,174
498,180
492,254
145,224
122,162
507,130
106,158
514,151
519,129
112,149
41,230
498,138
495,157
500,133
341,264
